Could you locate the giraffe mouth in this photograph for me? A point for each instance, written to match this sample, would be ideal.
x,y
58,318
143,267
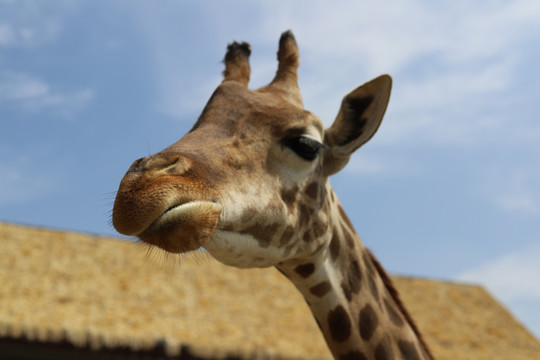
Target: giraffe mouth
x,y
184,227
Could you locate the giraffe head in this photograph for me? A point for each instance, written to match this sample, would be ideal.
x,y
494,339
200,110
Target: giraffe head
x,y
249,181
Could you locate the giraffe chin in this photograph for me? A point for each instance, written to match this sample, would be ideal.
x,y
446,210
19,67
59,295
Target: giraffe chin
x,y
183,228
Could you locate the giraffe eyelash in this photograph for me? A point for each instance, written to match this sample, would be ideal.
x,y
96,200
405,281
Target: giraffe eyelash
x,y
305,147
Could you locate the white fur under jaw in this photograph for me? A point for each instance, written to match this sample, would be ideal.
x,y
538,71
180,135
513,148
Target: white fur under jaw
x,y
242,250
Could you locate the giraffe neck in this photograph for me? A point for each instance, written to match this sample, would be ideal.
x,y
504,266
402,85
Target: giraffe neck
x,y
352,298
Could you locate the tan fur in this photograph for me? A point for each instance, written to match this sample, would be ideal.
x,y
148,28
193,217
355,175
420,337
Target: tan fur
x,y
249,183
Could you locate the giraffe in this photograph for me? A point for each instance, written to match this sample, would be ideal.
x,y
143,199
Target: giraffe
x,y
250,184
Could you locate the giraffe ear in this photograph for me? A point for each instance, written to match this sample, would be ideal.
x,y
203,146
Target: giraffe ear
x,y
357,121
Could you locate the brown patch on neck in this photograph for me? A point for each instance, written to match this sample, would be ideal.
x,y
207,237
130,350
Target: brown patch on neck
x,y
395,296
313,190
262,233
289,197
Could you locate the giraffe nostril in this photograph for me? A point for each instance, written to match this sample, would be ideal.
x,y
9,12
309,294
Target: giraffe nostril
x,y
166,163
137,166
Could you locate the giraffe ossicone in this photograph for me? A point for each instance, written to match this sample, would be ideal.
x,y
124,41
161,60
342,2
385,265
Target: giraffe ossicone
x,y
250,184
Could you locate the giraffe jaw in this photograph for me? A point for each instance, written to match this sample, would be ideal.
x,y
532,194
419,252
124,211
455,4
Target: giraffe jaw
x,y
184,227
241,250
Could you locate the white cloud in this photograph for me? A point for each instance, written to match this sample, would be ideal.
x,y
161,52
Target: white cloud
x,y
513,279
14,87
392,34
21,181
33,23
12,36
519,202
515,191
372,163
185,96
31,35
363,164
34,95
7,37
460,86
451,62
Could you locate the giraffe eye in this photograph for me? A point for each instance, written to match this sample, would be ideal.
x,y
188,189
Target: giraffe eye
x,y
306,148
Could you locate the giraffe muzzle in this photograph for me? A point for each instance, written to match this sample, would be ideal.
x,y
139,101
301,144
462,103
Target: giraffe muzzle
x,y
183,228
162,205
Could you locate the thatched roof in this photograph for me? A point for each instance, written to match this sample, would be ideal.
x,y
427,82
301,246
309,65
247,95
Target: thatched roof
x,y
84,294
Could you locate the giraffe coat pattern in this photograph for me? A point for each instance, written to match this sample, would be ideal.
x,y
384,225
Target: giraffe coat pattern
x,y
250,184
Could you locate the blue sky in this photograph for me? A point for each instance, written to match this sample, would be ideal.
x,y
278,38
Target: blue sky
x,y
447,189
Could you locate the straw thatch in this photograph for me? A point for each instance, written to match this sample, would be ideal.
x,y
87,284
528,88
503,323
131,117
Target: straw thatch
x,y
77,294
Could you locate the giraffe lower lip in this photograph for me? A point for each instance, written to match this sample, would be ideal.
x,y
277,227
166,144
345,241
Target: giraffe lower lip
x,y
175,215
184,227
